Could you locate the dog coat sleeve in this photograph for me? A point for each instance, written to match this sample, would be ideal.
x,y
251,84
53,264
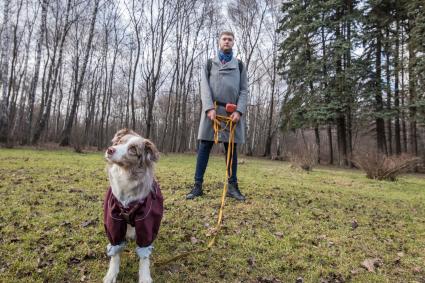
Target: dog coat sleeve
x,y
115,225
147,224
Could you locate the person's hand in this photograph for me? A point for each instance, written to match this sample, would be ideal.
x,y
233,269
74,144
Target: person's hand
x,y
211,114
236,116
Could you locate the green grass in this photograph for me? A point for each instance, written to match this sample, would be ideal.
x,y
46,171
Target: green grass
x,y
294,224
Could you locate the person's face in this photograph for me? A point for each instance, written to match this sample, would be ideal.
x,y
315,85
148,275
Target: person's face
x,y
226,42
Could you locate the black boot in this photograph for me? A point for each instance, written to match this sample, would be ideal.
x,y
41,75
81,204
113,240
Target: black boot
x,y
234,192
195,192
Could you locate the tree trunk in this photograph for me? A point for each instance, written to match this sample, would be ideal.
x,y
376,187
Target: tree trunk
x,y
317,136
403,95
133,111
330,144
396,92
11,88
52,85
412,97
388,90
349,87
269,139
34,82
327,97
66,134
340,120
4,116
380,125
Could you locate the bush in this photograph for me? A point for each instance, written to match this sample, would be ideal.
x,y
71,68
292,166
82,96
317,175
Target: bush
x,y
304,157
381,167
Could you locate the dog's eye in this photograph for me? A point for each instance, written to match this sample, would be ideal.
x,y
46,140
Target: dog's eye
x,y
132,150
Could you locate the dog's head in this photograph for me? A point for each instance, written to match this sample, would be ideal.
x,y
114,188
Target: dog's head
x,y
129,149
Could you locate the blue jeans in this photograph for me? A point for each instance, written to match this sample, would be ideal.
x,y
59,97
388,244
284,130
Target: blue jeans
x,y
204,149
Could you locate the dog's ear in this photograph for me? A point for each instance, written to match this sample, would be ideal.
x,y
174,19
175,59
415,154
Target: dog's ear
x,y
151,152
121,133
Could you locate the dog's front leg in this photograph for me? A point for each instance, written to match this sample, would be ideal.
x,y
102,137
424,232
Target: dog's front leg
x,y
114,263
144,271
144,264
114,268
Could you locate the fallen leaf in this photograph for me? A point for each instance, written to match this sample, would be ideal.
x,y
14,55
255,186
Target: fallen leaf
x,y
211,231
15,239
397,260
90,255
279,234
322,237
74,260
268,280
88,223
371,263
354,224
194,240
65,223
355,271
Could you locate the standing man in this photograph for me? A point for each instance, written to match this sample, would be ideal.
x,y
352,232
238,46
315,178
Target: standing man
x,y
224,80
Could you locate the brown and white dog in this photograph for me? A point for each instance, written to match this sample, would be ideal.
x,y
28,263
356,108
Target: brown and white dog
x,y
133,205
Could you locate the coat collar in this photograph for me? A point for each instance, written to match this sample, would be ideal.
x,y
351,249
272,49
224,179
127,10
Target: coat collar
x,y
232,64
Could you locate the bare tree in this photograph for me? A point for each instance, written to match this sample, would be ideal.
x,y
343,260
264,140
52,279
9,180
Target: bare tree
x,y
136,18
59,41
160,22
4,117
66,133
34,82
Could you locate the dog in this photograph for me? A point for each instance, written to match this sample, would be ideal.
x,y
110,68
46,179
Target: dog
x,y
133,205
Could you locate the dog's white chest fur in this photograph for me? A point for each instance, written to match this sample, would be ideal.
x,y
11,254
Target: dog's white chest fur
x,y
122,186
127,189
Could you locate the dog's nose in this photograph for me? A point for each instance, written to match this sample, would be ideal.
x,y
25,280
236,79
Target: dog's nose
x,y
110,150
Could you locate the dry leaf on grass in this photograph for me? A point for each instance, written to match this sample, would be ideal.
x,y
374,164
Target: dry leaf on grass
x,y
194,240
354,224
279,234
371,263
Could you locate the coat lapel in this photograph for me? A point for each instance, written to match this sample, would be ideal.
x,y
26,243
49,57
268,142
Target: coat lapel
x,y
232,64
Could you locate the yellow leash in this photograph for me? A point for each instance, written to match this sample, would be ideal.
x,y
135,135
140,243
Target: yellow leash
x,y
217,128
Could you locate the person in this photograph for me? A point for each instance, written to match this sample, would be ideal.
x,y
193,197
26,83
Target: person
x,y
223,80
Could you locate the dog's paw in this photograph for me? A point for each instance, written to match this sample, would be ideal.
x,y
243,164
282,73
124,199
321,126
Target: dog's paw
x,y
110,278
145,279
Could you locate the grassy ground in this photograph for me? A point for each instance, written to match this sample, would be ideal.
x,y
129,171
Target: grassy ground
x,y
293,225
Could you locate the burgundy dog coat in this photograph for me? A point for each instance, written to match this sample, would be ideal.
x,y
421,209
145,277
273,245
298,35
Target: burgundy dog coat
x,y
145,215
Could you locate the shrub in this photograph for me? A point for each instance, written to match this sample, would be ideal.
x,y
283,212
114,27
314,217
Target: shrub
x,y
304,157
381,167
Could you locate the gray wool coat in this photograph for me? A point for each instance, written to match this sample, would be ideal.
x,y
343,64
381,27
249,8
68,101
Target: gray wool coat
x,y
228,85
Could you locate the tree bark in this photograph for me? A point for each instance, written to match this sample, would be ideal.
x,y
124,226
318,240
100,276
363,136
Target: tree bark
x,y
52,84
4,115
66,134
34,82
388,89
412,96
396,91
379,106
